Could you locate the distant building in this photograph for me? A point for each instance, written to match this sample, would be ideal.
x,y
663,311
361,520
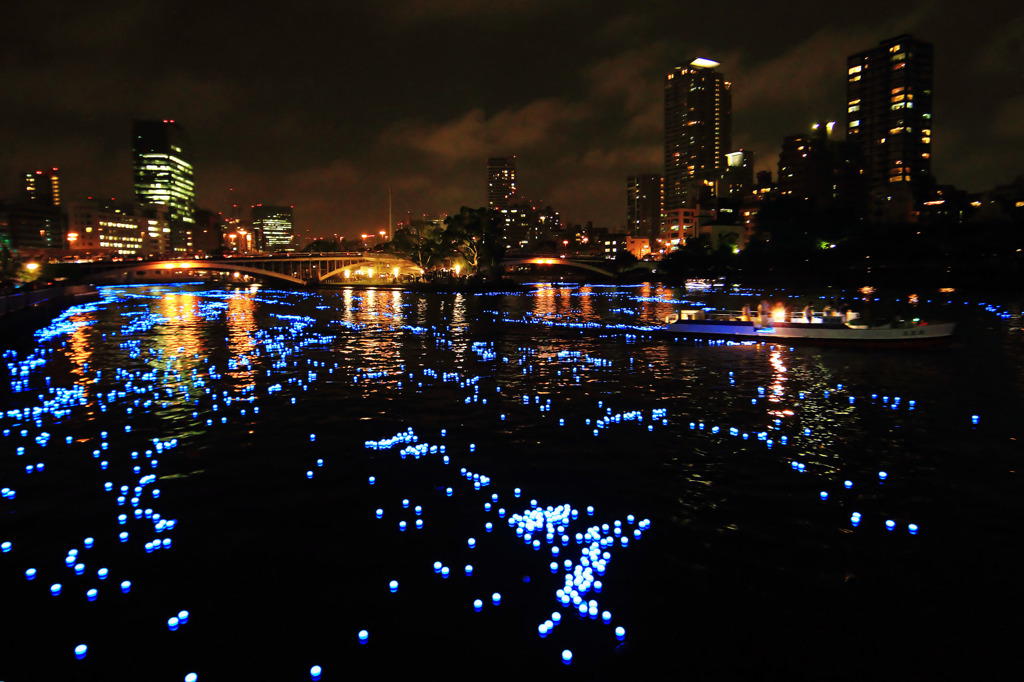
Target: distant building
x,y
30,226
526,225
698,131
125,230
889,119
501,182
163,175
820,170
208,236
678,225
42,188
643,207
274,225
737,180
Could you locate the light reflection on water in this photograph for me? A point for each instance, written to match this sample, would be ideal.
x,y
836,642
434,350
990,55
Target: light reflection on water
x,y
354,365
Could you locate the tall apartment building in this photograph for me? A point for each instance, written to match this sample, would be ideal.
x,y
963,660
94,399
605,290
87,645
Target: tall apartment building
x,y
889,119
501,182
698,130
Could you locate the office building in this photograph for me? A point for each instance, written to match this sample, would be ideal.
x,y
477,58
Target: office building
x,y
117,230
274,225
501,182
889,119
162,168
698,131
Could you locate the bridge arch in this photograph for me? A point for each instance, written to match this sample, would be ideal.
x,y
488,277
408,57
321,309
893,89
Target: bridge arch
x,y
292,270
566,262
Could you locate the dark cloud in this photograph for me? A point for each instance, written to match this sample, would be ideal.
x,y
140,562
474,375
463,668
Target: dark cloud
x,y
328,105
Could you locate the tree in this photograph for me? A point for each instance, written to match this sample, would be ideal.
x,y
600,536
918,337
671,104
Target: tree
x,y
475,233
422,242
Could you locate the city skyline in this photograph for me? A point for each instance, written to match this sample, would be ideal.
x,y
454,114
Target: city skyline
x,y
364,98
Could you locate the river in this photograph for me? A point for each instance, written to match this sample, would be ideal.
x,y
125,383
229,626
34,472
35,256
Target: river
x,y
278,473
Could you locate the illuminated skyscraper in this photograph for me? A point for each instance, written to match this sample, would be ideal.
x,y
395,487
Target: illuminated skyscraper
x,y
274,224
501,182
698,129
889,119
163,170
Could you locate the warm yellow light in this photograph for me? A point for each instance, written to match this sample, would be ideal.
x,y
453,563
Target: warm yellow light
x,y
457,267
346,274
72,237
396,272
778,313
31,267
369,272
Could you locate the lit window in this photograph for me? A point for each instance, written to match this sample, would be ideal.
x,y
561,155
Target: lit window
x,y
855,107
854,69
854,124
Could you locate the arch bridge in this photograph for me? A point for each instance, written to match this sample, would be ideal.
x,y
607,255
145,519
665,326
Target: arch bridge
x,y
361,268
592,266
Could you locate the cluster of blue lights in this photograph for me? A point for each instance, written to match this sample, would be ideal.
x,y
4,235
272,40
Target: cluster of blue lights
x,y
176,387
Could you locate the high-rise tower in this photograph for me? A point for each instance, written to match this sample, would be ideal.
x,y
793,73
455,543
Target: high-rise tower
x,y
889,119
501,182
162,168
698,129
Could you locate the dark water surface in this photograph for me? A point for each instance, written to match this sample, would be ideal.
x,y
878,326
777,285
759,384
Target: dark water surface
x,y
250,411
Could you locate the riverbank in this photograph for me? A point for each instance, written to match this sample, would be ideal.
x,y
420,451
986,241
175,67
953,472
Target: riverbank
x,y
27,311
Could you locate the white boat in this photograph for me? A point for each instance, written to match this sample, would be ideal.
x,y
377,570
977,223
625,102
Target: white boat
x,y
780,324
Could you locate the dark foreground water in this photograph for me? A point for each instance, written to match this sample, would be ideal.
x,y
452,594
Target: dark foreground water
x,y
229,453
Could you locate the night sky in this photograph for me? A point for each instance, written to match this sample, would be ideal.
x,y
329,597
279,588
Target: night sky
x,y
324,105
